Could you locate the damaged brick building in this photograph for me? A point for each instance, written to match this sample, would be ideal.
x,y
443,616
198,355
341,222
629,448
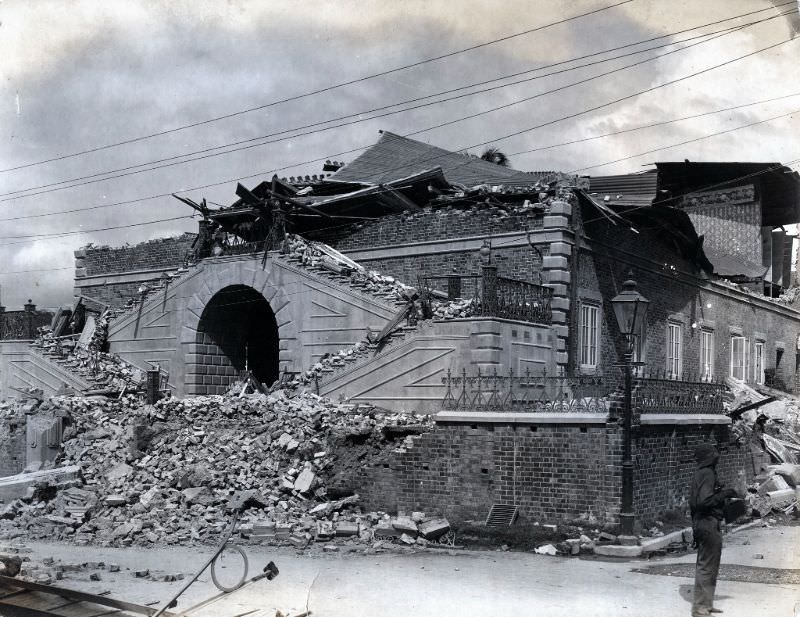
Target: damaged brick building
x,y
491,310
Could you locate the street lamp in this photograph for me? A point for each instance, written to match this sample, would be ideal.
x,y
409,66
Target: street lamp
x,y
630,309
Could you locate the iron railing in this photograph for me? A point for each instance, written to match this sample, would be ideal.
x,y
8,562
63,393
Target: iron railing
x,y
520,300
561,393
662,393
492,295
525,393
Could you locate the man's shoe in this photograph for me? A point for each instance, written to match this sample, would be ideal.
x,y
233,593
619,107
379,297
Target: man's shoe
x,y
701,613
715,610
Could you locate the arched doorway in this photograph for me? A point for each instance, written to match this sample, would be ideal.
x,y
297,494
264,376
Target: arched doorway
x,y
238,331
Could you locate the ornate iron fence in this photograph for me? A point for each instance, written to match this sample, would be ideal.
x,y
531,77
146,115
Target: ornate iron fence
x,y
527,392
659,393
493,296
522,300
561,393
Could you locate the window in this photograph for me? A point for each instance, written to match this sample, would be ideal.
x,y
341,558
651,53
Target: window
x,y
706,355
758,366
590,331
674,350
740,351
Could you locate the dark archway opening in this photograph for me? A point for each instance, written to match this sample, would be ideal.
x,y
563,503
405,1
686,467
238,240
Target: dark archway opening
x,y
239,332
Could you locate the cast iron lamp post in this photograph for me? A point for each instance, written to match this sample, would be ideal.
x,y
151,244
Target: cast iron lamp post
x,y
630,309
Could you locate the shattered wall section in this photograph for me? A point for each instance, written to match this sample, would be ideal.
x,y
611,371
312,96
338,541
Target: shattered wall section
x,y
113,274
440,224
449,226
12,444
552,472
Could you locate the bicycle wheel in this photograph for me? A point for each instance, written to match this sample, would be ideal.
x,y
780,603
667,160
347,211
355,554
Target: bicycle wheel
x,y
229,568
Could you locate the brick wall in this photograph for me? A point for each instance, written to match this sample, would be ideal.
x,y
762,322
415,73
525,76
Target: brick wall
x,y
440,224
664,465
679,294
12,445
446,224
163,255
551,472
153,254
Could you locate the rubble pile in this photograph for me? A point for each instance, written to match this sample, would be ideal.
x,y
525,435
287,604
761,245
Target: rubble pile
x,y
319,255
452,309
168,473
104,370
772,429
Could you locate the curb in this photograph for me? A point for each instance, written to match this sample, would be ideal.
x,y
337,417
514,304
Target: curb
x,y
645,546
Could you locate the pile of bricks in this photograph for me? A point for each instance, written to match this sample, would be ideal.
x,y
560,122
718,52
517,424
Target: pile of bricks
x,y
169,473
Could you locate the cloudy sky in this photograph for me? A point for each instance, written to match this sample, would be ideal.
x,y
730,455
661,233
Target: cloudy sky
x,y
77,75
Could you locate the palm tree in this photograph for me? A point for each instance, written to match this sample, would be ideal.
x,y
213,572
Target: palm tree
x,y
496,156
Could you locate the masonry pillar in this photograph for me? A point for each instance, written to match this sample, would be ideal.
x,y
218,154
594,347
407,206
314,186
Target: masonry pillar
x,y
556,274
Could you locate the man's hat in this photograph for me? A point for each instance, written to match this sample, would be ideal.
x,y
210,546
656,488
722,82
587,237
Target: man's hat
x,y
705,452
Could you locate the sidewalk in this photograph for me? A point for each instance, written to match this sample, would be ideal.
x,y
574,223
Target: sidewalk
x,y
463,583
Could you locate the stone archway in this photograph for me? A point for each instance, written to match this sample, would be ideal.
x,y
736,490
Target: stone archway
x,y
237,331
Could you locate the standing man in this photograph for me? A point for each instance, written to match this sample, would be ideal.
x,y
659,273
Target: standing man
x,y
706,501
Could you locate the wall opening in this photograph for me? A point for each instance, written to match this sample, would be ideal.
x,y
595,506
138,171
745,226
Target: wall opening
x,y
238,331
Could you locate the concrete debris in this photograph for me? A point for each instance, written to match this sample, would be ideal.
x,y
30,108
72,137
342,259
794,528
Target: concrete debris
x,y
790,473
105,372
169,473
547,549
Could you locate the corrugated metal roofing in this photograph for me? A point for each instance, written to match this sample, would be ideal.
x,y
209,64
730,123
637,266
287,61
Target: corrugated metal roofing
x,y
637,184
394,156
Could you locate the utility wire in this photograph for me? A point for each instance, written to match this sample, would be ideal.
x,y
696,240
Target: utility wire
x,y
319,90
652,88
647,126
547,147
94,178
688,141
359,116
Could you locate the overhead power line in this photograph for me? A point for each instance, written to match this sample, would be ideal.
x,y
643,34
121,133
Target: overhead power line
x,y
232,147
429,128
651,125
493,140
688,141
319,90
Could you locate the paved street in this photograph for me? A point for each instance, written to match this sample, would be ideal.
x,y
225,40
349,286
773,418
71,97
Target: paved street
x,y
464,583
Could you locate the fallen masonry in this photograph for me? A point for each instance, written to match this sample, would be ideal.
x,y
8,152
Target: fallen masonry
x,y
171,472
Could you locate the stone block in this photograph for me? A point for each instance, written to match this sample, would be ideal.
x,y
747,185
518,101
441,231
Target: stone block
x,y
555,262
304,481
434,529
555,220
559,290
560,248
346,529
561,304
385,529
781,498
561,207
557,276
405,524
790,473
773,484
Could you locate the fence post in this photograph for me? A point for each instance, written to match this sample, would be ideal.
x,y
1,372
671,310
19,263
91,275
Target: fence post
x,y
453,287
489,289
